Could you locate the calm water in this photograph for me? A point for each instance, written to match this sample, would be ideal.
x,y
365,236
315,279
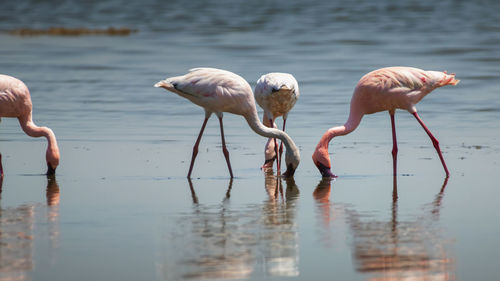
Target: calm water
x,y
122,209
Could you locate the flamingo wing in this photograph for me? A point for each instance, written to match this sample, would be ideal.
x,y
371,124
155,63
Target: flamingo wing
x,y
214,89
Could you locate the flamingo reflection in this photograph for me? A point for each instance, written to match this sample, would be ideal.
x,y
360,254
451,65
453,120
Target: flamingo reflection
x,y
326,209
401,249
219,241
17,236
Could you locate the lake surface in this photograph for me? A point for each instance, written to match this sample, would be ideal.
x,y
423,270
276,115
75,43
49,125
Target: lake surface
x,y
121,208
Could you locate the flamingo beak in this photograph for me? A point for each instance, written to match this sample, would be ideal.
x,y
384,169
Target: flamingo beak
x,y
50,171
290,171
325,171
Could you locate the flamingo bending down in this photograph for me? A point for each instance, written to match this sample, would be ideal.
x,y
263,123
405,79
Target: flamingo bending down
x,y
276,93
386,89
219,91
15,101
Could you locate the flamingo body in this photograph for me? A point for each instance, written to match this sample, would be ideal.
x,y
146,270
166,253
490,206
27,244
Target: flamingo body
x,y
276,93
219,91
15,101
384,89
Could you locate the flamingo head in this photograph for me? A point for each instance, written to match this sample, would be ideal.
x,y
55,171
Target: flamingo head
x,y
321,159
292,161
52,156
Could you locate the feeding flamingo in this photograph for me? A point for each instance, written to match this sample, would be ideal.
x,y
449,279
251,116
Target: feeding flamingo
x,y
219,91
276,93
15,101
386,89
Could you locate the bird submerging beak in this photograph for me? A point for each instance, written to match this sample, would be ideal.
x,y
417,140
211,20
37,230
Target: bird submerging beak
x,y
324,170
290,171
386,89
50,171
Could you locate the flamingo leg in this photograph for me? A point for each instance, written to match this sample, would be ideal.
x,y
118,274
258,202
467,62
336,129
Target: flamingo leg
x,y
268,162
1,168
224,149
281,143
278,159
394,144
195,147
435,142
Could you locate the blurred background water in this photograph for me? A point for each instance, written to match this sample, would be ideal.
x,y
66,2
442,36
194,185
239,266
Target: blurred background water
x,y
122,209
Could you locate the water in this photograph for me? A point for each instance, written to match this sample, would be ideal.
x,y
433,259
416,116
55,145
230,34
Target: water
x,y
122,209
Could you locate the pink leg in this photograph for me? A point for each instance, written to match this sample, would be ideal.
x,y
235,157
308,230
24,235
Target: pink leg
x,y
195,147
435,142
278,158
224,149
1,168
281,143
394,145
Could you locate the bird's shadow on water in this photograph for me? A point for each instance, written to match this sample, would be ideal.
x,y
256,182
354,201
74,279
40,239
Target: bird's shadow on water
x,y
402,247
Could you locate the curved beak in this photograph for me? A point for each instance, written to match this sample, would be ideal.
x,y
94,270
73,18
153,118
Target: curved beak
x,y
325,171
50,170
290,171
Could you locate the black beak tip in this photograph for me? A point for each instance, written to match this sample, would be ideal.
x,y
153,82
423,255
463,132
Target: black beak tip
x,y
325,171
50,171
290,171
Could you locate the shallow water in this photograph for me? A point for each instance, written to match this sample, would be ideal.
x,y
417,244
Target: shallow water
x,y
121,207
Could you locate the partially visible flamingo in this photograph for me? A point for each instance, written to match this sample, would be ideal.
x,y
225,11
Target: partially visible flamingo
x,y
219,91
15,101
386,89
276,93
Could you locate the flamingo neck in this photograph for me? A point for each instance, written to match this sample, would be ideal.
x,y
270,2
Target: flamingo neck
x,y
321,157
32,130
351,125
257,126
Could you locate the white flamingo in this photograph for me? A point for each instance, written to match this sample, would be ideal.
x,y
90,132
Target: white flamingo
x,y
276,93
219,91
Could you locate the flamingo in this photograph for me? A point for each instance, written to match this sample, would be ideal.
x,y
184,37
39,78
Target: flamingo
x,y
219,91
276,93
386,89
15,101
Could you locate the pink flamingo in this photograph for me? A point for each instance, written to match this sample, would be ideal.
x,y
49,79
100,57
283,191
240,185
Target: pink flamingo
x,y
15,101
219,91
276,93
386,89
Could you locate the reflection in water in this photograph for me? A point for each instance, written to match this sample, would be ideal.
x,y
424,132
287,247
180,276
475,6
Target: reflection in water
x,y
399,249
219,242
281,244
322,196
17,236
326,209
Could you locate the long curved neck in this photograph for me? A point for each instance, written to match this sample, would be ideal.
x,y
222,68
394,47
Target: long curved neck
x,y
257,126
33,130
352,123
